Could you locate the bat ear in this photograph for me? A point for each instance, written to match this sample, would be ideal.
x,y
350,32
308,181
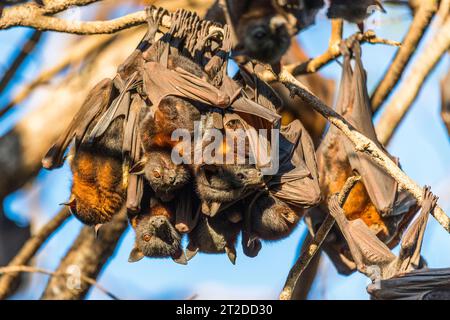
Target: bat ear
x,y
135,255
231,253
72,204
138,167
191,251
179,257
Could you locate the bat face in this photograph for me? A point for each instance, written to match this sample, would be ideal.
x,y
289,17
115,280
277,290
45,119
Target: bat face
x,y
163,175
272,219
155,234
98,189
263,33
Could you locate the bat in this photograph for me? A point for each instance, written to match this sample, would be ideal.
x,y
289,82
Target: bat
x,y
155,234
98,188
262,30
162,174
216,234
220,184
376,200
371,255
354,11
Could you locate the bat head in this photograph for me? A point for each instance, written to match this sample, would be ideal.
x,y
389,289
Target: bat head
x,y
156,237
162,174
263,33
272,219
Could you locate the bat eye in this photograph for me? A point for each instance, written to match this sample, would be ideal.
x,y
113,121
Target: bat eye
x,y
240,176
259,34
146,237
156,174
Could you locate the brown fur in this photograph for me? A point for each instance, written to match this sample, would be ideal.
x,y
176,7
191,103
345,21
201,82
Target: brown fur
x,y
98,190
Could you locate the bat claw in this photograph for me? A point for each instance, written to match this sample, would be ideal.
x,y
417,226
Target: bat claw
x,y
97,229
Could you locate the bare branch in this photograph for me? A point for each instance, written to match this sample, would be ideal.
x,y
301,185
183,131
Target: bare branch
x,y
407,93
28,269
420,24
29,250
313,247
362,143
83,49
333,53
89,255
27,48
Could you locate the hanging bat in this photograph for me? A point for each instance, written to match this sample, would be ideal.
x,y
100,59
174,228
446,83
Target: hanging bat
x,y
164,176
262,30
368,251
220,184
376,199
272,219
216,234
354,11
155,234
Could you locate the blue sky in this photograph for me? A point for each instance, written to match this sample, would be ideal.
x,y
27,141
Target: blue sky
x,y
421,143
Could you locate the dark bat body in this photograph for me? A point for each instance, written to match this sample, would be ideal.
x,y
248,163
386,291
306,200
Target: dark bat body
x,y
263,28
354,11
216,234
220,184
272,219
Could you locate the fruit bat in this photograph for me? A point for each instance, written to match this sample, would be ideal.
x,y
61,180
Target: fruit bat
x,y
155,234
164,176
354,11
374,258
262,30
423,284
220,184
376,199
216,234
445,96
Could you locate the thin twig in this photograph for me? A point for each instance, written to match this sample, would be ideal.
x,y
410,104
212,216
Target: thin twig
x,y
417,29
310,250
25,51
30,248
28,269
361,143
83,49
407,93
333,53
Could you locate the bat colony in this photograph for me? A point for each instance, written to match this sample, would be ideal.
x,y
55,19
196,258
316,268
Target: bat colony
x,y
121,156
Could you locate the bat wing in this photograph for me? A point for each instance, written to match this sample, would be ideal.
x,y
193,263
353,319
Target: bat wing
x,y
97,101
381,187
424,284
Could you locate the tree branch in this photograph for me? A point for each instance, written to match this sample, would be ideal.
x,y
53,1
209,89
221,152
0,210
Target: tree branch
x,y
27,48
407,93
28,269
88,254
361,143
29,250
313,247
333,53
420,24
